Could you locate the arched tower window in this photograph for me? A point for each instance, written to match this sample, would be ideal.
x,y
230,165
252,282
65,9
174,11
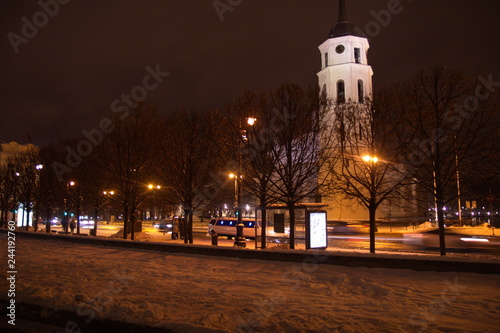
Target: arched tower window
x,y
361,91
340,91
323,91
326,59
357,55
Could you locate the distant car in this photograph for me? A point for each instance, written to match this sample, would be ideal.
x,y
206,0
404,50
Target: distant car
x,y
341,227
85,221
226,226
163,225
430,239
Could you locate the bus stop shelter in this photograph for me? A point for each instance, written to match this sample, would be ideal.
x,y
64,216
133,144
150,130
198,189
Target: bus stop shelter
x,y
310,219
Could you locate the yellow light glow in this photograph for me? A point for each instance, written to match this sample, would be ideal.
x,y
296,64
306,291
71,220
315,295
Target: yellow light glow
x,y
368,158
232,175
251,121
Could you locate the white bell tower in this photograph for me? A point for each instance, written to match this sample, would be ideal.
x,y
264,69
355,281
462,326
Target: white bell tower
x,y
345,73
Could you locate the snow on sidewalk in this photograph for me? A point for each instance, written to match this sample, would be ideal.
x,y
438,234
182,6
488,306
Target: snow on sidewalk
x,y
191,293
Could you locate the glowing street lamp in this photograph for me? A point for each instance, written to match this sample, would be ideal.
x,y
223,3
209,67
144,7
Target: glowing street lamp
x,y
67,203
154,188
108,195
372,159
77,199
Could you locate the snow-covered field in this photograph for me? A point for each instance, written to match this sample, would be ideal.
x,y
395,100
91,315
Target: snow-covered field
x,y
190,293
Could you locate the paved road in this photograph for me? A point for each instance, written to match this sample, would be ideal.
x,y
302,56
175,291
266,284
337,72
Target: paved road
x,y
385,240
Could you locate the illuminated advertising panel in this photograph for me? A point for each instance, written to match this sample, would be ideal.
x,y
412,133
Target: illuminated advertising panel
x,y
316,232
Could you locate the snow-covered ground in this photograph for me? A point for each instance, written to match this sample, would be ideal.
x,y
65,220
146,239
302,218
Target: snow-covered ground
x,y
190,293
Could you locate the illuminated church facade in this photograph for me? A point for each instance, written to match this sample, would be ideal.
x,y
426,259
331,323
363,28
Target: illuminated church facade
x,y
346,76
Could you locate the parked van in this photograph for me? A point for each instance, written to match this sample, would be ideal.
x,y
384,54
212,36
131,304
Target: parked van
x,y
226,226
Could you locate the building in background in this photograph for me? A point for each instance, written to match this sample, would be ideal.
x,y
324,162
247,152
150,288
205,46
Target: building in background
x,y
11,149
10,182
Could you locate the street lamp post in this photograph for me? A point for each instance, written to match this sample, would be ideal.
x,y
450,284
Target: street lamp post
x,y
67,206
372,163
38,169
108,195
240,238
233,176
154,188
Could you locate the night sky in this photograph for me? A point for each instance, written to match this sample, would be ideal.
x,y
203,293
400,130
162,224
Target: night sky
x,y
66,77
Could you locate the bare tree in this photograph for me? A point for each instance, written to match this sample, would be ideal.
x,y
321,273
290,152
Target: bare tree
x,y
128,154
95,183
50,186
253,149
301,135
446,117
368,169
9,191
188,159
28,180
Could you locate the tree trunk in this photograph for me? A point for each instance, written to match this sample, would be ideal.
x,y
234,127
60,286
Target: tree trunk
x,y
22,218
190,226
133,218
185,231
78,216
48,221
125,220
372,209
37,217
28,210
96,214
291,208
264,227
442,243
3,221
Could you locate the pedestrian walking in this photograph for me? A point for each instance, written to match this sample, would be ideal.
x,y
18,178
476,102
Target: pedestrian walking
x,y
175,228
64,223
72,225
182,228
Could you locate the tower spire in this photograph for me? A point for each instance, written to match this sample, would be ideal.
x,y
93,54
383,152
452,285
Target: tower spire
x,y
343,27
342,11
